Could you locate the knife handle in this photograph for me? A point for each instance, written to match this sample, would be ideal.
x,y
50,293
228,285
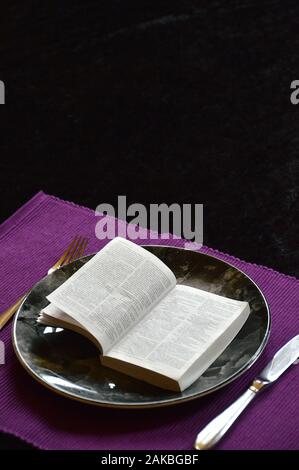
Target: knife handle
x,y
216,429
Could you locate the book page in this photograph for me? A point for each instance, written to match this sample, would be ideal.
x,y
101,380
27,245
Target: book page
x,y
53,313
114,290
180,329
52,316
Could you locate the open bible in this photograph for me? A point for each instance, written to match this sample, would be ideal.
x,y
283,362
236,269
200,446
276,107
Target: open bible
x,y
127,301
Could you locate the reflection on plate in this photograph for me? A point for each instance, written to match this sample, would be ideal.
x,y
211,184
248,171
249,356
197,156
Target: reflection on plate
x,y
69,364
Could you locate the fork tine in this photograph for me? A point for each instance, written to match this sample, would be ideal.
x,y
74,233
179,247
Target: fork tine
x,y
83,247
78,250
66,253
73,251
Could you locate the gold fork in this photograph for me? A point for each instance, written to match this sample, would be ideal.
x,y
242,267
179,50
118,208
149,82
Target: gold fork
x,y
75,250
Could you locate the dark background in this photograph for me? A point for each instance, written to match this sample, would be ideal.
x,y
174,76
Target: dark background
x,y
162,101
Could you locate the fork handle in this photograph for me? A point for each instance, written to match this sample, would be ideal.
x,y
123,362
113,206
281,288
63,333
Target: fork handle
x,y
7,314
216,429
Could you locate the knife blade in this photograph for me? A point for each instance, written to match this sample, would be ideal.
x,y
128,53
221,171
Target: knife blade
x,y
282,360
217,428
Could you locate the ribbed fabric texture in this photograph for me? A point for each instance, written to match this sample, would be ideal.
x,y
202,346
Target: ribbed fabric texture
x,y
30,241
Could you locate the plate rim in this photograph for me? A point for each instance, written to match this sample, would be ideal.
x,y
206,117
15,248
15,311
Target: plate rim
x,y
161,403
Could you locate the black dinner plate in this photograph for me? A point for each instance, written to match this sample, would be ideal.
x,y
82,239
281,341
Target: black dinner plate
x,y
69,364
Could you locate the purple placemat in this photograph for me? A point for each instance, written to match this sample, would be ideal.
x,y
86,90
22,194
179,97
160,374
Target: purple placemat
x,y
30,241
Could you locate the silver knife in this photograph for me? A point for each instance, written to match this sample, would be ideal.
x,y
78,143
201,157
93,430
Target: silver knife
x,y
215,430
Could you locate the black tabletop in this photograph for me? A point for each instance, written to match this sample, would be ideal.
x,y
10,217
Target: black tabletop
x,y
169,101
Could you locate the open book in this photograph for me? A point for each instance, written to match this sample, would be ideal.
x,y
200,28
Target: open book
x,y
127,301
